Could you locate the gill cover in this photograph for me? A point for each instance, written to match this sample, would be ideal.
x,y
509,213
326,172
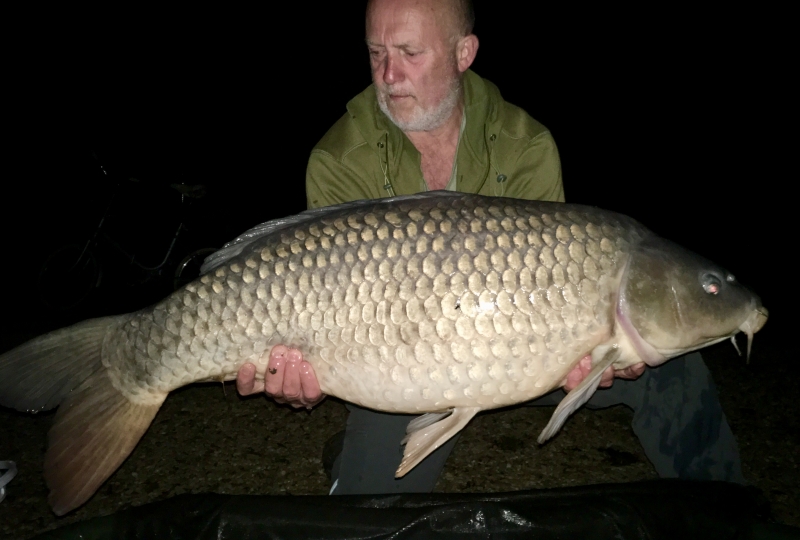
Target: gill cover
x,y
678,301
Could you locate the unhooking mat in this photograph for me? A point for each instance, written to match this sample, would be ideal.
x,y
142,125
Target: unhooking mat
x,y
661,509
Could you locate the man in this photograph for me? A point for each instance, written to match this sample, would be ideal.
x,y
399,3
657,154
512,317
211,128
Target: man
x,y
427,123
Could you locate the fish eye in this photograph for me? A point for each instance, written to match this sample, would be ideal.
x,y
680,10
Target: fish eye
x,y
711,284
730,278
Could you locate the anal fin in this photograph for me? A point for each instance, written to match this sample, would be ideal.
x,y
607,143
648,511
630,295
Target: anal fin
x,y
95,429
429,432
578,396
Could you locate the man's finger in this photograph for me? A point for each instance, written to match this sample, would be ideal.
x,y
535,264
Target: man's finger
x,y
312,393
574,378
273,379
607,379
632,372
245,379
291,381
578,373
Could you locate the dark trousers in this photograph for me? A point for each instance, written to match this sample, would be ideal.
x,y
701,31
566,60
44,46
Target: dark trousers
x,y
676,416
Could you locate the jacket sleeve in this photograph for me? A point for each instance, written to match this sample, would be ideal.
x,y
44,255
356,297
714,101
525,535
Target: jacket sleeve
x,y
537,172
328,181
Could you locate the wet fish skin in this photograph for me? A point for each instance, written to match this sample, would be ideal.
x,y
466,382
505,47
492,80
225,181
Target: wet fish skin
x,y
421,306
414,304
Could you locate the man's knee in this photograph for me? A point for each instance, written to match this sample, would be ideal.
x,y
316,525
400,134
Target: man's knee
x,y
371,453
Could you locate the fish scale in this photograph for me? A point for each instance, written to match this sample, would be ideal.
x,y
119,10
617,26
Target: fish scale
x,y
441,303
359,294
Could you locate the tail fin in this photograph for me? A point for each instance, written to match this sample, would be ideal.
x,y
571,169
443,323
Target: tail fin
x,y
39,374
95,428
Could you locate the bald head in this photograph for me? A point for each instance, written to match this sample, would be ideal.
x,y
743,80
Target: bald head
x,y
418,54
456,17
463,14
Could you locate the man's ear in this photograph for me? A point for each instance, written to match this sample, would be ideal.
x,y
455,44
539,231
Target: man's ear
x,y
466,49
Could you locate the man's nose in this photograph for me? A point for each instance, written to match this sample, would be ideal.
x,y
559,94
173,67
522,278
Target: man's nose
x,y
392,73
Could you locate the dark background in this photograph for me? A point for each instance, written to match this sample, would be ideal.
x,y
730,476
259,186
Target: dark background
x,y
671,117
681,118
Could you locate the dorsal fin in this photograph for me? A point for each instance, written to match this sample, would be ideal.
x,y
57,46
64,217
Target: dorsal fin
x,y
237,245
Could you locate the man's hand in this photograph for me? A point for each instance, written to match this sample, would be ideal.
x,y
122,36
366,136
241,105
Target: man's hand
x,y
288,379
583,368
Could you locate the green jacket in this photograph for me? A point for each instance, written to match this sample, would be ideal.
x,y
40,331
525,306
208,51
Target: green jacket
x,y
503,152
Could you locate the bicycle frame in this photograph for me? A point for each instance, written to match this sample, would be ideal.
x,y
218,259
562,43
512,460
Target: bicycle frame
x,y
99,234
73,270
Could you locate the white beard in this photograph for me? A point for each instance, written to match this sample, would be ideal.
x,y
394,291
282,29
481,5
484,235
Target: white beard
x,y
422,120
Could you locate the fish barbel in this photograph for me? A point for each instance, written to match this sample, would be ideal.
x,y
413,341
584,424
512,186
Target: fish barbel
x,y
440,303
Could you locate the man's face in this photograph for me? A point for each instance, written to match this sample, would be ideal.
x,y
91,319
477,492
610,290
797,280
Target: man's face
x,y
413,62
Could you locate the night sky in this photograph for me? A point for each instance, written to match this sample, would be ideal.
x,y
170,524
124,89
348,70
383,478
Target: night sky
x,y
659,115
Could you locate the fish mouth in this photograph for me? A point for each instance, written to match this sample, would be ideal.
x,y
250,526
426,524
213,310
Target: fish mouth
x,y
654,357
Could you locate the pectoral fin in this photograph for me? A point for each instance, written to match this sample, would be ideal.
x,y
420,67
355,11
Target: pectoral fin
x,y
428,432
578,396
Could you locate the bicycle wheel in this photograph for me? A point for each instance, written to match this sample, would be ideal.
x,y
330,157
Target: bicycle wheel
x,y
68,277
189,268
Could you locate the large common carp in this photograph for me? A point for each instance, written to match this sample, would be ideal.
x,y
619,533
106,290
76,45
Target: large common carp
x,y
441,303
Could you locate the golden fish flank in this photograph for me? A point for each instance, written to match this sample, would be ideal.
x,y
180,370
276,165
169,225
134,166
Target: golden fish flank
x,y
477,303
426,303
